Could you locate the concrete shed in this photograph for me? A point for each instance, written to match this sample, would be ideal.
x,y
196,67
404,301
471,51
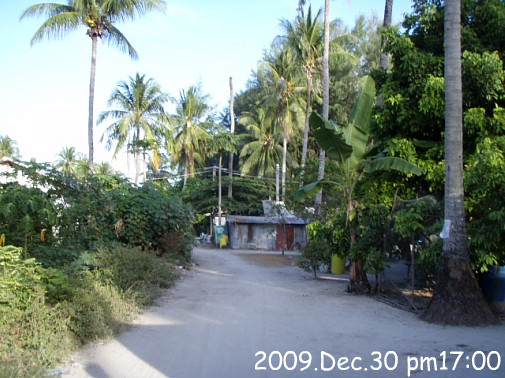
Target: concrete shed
x,y
266,232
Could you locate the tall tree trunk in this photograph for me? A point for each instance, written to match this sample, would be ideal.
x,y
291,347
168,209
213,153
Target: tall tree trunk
x,y
91,101
306,129
186,169
136,151
388,12
457,299
326,96
137,166
284,164
232,130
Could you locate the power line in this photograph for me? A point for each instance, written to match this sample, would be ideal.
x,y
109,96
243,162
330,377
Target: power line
x,y
205,170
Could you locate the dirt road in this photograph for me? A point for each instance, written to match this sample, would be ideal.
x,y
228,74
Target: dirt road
x,y
234,304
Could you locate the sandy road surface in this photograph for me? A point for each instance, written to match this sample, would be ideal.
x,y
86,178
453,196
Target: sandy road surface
x,y
233,305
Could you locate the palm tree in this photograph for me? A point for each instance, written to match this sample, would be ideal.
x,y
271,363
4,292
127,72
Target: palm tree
x,y
140,117
283,96
68,160
305,37
326,96
8,148
99,17
263,152
188,129
104,169
457,299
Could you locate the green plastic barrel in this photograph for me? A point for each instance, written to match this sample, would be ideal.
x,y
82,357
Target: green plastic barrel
x,y
337,264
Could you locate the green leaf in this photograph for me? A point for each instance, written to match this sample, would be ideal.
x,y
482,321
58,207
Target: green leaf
x,y
329,138
362,110
390,162
308,190
357,131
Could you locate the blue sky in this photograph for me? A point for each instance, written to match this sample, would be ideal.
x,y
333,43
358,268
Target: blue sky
x,y
44,88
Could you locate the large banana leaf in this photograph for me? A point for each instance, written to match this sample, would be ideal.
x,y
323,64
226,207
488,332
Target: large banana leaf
x,y
362,110
387,163
357,131
330,138
308,190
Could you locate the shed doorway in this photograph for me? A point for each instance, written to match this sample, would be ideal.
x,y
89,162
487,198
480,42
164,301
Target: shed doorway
x,y
284,237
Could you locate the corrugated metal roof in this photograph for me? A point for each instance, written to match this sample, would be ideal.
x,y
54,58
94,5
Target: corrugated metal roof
x,y
276,209
265,220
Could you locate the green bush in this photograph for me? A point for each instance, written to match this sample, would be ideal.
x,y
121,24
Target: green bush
x,y
29,326
99,310
326,238
55,256
314,254
120,283
429,262
25,213
153,219
136,273
35,338
369,247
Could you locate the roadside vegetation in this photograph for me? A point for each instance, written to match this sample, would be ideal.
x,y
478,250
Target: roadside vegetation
x,y
79,259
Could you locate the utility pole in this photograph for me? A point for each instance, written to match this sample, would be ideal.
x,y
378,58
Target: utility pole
x,y
232,131
219,187
277,183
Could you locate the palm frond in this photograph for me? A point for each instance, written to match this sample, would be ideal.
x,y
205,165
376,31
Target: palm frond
x,y
122,10
57,26
117,39
46,10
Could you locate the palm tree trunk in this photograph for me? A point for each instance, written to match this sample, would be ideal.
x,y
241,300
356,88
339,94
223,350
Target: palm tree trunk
x,y
186,169
388,11
137,166
457,299
326,96
306,129
284,159
91,101
136,150
232,130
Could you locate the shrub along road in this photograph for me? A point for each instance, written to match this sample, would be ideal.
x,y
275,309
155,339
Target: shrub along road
x,y
234,304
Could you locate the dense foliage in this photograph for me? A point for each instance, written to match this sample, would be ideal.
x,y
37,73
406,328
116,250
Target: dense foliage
x,y
413,112
78,258
408,123
62,211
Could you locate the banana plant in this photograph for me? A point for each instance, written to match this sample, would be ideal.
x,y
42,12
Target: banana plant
x,y
352,147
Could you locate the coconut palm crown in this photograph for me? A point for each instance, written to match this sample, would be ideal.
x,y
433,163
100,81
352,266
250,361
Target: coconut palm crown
x,y
139,117
188,128
99,17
